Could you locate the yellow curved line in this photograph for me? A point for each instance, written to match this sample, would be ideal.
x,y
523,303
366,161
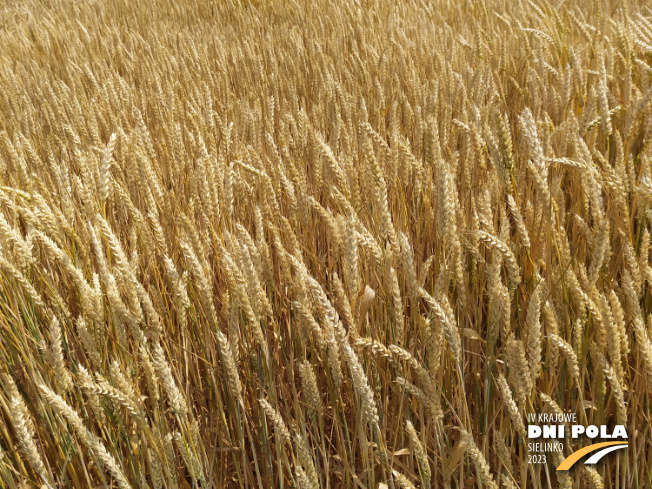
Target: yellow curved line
x,y
575,456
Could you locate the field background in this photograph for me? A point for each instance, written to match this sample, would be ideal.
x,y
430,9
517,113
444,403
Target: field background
x,y
322,244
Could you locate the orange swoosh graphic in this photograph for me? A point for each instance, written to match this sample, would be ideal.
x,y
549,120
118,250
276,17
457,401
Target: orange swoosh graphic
x,y
575,456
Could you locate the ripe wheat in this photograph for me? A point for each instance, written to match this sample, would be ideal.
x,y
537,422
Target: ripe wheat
x,y
322,244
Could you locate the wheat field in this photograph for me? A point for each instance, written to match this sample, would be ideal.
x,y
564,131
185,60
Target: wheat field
x,y
315,244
